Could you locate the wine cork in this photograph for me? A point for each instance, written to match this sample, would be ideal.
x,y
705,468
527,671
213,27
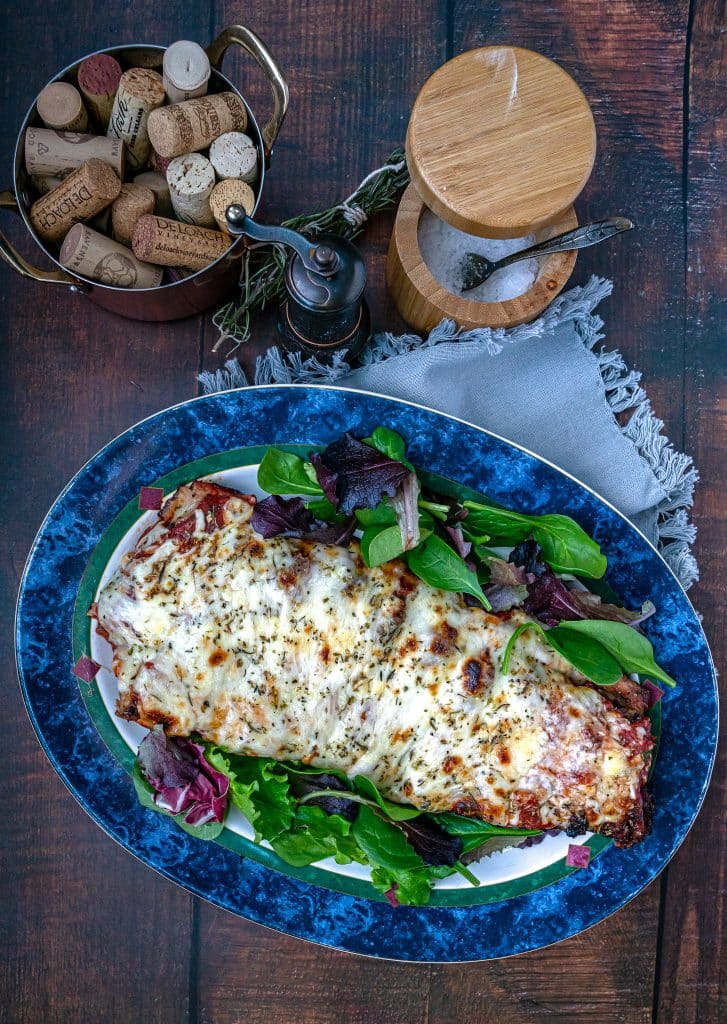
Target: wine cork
x,y
140,92
60,106
191,180
79,196
186,71
133,202
233,155
194,124
98,80
43,183
171,244
58,153
96,256
158,184
225,193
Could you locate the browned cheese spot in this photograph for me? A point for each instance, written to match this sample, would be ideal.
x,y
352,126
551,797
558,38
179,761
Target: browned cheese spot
x,y
255,549
401,735
409,646
217,657
325,653
503,755
478,673
468,806
131,711
450,763
444,639
154,717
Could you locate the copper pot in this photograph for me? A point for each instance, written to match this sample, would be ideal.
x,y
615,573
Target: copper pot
x,y
206,287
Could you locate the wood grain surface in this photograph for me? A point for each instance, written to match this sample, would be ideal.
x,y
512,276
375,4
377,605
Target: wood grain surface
x,y
89,934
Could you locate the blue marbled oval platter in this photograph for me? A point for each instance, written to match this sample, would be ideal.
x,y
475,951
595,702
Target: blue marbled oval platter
x,y
299,414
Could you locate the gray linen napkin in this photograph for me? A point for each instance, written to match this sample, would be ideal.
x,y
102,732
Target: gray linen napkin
x,y
543,386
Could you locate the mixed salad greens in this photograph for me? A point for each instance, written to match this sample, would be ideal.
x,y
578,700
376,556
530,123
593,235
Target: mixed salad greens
x,y
495,557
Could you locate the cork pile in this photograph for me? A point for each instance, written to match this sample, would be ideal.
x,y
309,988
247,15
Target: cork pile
x,y
133,169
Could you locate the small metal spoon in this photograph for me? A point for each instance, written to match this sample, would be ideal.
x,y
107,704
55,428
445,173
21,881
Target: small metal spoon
x,y
476,269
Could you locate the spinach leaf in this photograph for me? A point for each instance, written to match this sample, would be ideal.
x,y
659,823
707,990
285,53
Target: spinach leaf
x,y
382,515
388,442
599,648
435,562
380,544
630,649
397,812
383,843
321,508
392,859
283,473
566,546
587,655
474,832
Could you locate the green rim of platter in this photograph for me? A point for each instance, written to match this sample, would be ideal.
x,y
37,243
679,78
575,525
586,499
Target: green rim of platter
x,y
119,528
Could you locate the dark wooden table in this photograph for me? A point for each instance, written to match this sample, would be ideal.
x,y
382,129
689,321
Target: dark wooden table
x,y
86,932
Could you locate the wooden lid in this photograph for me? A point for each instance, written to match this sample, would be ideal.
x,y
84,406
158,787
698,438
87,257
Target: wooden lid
x,y
501,141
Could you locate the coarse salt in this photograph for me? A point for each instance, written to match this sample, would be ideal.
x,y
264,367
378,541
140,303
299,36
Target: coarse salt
x,y
444,247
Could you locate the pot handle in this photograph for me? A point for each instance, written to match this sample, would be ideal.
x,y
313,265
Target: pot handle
x,y
253,45
12,257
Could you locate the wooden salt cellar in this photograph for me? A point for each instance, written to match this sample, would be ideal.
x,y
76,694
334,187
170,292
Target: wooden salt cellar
x,y
501,141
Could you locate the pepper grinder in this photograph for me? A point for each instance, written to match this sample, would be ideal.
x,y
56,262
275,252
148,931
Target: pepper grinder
x,y
324,310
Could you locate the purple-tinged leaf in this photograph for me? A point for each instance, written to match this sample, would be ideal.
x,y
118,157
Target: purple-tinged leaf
x,y
182,778
327,478
502,599
332,533
281,517
529,556
550,600
304,785
289,517
460,545
505,574
431,842
355,475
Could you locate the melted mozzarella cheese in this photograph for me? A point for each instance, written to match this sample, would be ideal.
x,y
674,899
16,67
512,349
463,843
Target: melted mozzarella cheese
x,y
297,651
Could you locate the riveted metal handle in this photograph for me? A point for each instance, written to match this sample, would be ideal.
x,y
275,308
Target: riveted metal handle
x,y
253,45
12,257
